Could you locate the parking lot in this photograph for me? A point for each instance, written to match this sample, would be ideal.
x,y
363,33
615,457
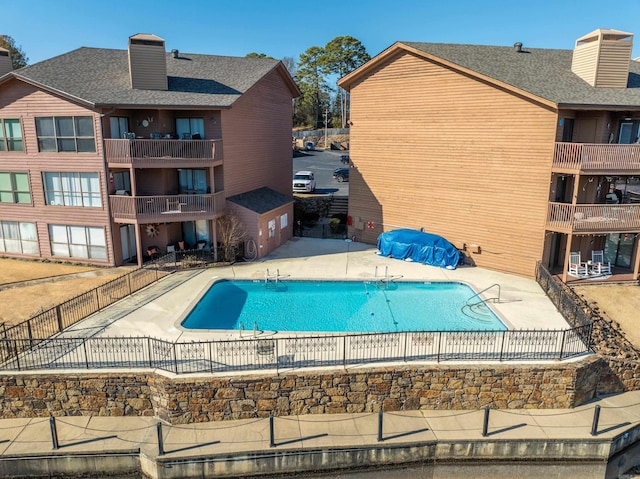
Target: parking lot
x,y
322,163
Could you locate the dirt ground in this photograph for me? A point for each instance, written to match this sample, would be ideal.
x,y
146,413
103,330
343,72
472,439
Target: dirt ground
x,y
26,287
48,284
620,302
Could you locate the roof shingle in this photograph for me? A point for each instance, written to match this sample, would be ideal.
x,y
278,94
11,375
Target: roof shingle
x,y
100,77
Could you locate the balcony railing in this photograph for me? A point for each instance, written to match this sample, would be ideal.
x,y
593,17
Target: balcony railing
x,y
593,218
597,157
159,152
166,208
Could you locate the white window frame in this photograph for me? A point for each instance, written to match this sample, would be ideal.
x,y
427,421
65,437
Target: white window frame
x,y
65,134
71,241
19,237
72,188
10,136
17,194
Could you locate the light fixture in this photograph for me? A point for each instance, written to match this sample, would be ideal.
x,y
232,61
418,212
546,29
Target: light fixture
x,y
627,116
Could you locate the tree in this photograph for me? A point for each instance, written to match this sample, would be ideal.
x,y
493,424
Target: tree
x,y
312,84
18,57
290,63
258,55
341,56
230,234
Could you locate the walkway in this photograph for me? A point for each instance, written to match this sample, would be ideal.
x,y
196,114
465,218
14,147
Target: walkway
x,y
91,444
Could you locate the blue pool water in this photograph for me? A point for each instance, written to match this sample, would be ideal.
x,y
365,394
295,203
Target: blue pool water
x,y
341,306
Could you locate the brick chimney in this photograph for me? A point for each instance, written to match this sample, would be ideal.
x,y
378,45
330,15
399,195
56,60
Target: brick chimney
x,y
147,62
5,61
601,58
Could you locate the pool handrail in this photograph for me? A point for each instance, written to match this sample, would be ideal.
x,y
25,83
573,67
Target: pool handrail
x,y
488,299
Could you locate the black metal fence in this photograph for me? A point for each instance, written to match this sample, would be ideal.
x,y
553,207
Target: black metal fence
x,y
570,305
293,352
321,230
54,320
31,345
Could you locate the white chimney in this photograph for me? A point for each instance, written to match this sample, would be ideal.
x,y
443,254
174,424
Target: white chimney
x,y
147,62
602,57
5,61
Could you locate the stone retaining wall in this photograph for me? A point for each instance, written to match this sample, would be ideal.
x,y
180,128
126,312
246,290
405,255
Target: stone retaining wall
x,y
183,400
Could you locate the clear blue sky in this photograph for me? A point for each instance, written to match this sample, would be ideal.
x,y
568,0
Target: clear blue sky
x,y
283,28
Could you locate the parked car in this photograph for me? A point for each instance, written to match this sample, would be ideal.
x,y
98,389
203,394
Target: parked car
x,y
304,182
344,159
309,146
341,174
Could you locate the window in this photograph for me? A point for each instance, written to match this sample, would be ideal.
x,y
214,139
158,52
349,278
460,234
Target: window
x,y
72,189
190,126
119,126
65,133
14,188
272,228
284,221
78,241
10,135
18,237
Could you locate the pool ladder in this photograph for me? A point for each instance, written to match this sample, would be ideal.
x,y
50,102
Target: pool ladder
x,y
382,279
270,278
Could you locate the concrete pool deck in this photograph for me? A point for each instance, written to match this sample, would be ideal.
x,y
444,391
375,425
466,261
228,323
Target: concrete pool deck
x,y
157,310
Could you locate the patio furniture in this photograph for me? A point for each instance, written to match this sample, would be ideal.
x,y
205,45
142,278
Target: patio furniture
x,y
152,252
576,267
599,266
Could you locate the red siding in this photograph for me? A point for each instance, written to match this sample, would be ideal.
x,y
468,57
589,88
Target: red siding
x,y
20,100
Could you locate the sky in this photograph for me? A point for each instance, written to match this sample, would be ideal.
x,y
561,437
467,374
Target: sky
x,y
283,28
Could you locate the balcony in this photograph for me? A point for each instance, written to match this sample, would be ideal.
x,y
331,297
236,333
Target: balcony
x,y
164,153
165,209
597,218
596,158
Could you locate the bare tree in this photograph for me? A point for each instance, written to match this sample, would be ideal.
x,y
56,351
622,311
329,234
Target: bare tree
x,y
231,234
18,57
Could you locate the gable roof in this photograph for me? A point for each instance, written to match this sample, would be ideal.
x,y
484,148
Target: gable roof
x,y
540,73
100,77
261,200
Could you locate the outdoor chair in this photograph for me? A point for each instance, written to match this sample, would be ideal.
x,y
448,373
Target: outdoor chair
x,y
598,265
576,267
265,349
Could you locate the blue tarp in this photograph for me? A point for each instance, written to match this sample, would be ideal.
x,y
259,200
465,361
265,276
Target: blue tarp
x,y
412,245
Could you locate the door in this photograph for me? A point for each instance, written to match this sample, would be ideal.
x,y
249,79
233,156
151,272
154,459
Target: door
x,y
628,132
195,232
128,242
618,249
192,182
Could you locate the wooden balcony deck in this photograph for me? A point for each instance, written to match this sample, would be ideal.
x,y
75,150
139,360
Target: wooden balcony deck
x,y
593,218
596,158
166,208
143,153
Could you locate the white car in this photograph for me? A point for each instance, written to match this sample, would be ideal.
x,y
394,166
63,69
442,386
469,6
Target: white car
x,y
304,182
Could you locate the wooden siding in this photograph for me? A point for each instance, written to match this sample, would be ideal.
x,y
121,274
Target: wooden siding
x,y
148,67
584,63
603,63
257,139
613,64
437,149
257,227
23,101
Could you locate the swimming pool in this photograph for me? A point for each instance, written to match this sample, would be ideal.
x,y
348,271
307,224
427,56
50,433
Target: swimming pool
x,y
341,306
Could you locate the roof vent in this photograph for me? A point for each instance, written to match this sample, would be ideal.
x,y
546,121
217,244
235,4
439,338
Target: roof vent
x,y
175,53
5,61
147,62
602,58
518,46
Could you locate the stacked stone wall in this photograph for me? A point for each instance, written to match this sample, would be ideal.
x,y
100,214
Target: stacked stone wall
x,y
184,400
